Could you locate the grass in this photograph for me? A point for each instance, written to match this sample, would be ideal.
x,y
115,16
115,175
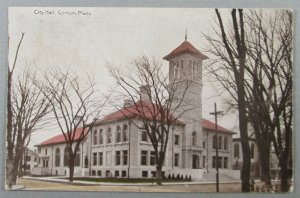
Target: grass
x,y
124,180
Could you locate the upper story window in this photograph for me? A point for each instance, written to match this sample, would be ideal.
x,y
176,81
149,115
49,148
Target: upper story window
x,y
109,135
118,134
214,145
194,138
225,143
125,133
46,151
176,142
101,136
236,150
203,144
144,136
220,142
95,134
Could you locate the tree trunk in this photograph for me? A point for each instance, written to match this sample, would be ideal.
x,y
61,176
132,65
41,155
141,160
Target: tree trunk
x,y
71,167
10,147
265,166
158,174
284,173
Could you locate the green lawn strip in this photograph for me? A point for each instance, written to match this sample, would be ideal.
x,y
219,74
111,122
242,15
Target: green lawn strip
x,y
123,180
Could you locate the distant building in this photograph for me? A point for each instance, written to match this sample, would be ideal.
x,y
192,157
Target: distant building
x,y
116,147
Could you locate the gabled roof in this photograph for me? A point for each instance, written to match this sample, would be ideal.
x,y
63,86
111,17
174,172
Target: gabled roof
x,y
206,124
142,109
185,47
61,139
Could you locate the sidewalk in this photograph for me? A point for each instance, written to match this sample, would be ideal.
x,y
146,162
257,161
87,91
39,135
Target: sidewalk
x,y
77,182
15,187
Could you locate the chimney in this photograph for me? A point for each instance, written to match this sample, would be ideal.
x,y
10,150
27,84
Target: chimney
x,y
78,119
145,92
127,103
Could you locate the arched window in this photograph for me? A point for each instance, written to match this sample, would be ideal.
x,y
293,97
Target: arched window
x,y
252,150
220,142
109,135
57,157
118,134
77,158
66,156
236,150
125,133
225,143
214,145
95,134
194,138
101,136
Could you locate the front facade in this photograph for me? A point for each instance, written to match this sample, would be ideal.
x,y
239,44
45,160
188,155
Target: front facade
x,y
116,147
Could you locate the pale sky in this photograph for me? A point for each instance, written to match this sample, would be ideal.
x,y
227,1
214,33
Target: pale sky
x,y
108,35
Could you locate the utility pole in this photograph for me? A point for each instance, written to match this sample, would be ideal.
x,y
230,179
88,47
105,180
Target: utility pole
x,y
216,113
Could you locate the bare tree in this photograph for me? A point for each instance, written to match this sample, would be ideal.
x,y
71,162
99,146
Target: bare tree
x,y
270,68
267,82
9,130
30,107
157,104
74,106
230,51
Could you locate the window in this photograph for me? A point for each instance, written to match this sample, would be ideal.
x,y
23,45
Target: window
x,y
236,150
225,143
125,133
95,137
144,137
225,162
109,135
152,158
214,162
125,157
220,142
214,145
252,150
144,173
203,144
144,157
194,139
117,173
203,162
95,159
118,134
57,157
66,156
77,158
46,152
176,160
118,157
123,173
101,136
39,149
175,71
100,158
176,140
93,173
99,173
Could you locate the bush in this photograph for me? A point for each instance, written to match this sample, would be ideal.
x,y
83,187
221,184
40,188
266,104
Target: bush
x,y
178,177
173,177
169,176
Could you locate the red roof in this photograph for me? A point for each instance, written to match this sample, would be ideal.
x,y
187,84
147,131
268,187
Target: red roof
x,y
185,47
61,139
211,126
143,109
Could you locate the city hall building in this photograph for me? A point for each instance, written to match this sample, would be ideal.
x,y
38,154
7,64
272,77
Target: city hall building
x,y
115,147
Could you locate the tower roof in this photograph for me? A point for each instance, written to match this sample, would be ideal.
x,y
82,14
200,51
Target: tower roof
x,y
185,47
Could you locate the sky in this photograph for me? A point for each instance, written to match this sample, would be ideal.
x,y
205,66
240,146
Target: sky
x,y
87,39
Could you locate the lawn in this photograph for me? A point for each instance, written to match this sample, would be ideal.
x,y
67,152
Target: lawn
x,y
124,180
